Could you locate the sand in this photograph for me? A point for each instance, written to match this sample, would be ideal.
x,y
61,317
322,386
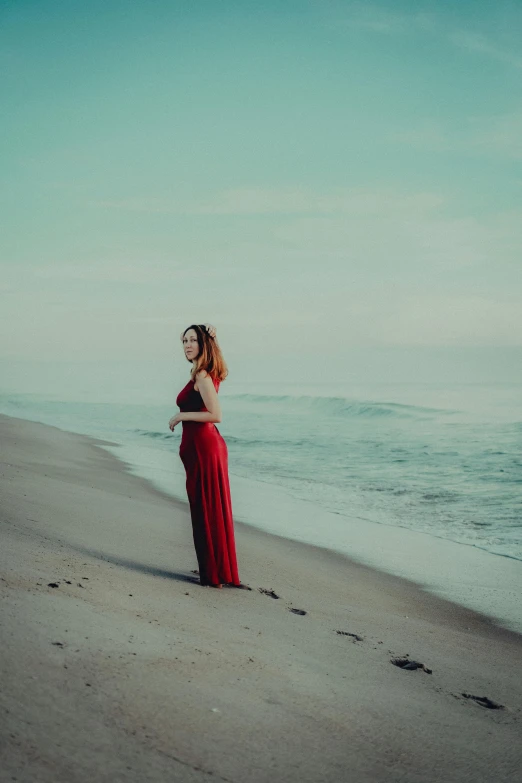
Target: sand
x,y
127,670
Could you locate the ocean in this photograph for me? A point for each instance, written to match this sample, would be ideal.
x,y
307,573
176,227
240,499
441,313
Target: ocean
x,y
416,479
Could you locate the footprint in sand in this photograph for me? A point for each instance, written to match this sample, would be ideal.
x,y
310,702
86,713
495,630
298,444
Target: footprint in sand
x,y
270,593
484,701
410,666
355,636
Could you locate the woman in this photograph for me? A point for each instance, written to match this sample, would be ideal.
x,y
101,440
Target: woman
x,y
205,457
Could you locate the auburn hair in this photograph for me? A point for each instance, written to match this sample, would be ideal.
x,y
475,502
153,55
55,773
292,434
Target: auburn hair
x,y
210,357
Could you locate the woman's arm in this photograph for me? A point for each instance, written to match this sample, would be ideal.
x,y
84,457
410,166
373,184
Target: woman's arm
x,y
209,394
197,416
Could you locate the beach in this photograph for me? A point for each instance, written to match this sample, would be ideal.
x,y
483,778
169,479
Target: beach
x,y
118,666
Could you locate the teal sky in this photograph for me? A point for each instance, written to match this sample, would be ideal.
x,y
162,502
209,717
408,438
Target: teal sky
x,y
312,177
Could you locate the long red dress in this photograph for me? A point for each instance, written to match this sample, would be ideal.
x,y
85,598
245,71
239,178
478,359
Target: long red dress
x,y
204,454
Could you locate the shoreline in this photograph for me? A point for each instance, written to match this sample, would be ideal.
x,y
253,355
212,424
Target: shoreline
x,y
395,537
467,575
178,676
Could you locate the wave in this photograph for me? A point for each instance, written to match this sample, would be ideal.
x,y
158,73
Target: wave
x,y
339,406
153,434
247,442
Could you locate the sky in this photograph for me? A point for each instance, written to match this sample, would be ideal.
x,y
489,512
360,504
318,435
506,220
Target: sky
x,y
337,186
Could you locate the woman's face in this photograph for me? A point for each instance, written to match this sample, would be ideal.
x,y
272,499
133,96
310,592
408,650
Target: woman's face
x,y
191,345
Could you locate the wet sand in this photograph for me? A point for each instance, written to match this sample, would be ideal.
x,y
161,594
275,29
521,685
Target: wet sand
x,y
117,666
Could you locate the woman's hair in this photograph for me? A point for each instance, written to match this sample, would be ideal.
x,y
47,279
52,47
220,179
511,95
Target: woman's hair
x,y
210,357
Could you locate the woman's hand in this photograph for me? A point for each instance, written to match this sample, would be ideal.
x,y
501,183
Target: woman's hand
x,y
174,420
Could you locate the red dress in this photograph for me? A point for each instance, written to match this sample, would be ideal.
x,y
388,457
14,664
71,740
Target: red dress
x,y
204,454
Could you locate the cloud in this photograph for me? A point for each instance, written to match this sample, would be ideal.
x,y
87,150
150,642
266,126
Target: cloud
x,y
256,200
480,44
377,19
409,250
393,22
497,135
427,135
381,266
501,134
426,318
138,271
